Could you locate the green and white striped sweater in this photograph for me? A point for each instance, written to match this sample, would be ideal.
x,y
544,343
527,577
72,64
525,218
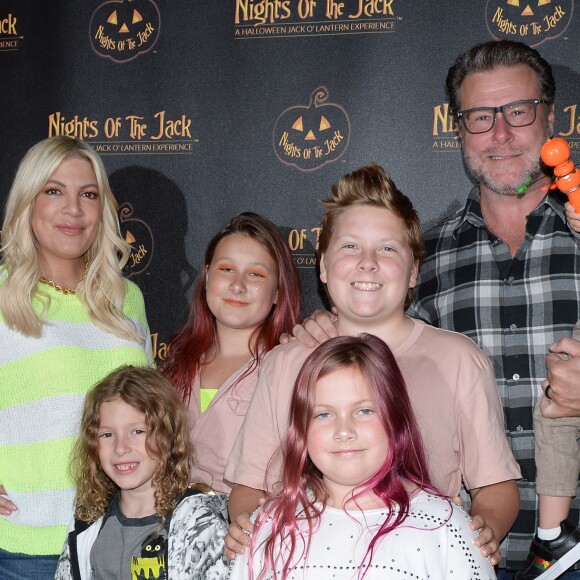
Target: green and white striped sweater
x,y
43,382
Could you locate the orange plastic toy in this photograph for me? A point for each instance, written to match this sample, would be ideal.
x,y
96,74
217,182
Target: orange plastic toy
x,y
556,153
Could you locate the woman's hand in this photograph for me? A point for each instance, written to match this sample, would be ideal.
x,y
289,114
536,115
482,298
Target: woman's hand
x,y
7,508
238,536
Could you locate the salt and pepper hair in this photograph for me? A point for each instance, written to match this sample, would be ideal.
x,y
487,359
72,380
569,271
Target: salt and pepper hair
x,y
102,291
491,55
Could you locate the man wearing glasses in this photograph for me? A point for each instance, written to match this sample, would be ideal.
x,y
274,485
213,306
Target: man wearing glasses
x,y
505,269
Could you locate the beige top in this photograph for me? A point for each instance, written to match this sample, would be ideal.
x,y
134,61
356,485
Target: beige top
x,y
213,432
453,392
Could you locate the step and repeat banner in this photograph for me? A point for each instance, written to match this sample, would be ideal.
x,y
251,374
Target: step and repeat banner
x,y
202,110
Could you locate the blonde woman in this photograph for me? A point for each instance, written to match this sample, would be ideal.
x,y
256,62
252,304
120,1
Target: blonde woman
x,y
67,318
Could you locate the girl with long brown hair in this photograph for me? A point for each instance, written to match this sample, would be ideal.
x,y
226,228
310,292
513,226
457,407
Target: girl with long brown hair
x,y
246,296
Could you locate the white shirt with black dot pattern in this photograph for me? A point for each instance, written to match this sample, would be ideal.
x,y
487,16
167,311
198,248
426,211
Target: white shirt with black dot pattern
x,y
434,543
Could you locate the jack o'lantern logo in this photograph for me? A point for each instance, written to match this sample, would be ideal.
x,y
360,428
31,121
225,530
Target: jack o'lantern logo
x,y
529,21
138,235
123,30
308,137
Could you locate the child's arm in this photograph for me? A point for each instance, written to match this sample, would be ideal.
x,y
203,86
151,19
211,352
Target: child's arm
x,y
239,568
314,330
494,509
242,502
63,571
462,563
196,533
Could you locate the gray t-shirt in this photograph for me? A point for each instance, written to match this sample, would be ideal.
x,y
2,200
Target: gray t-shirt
x,y
129,548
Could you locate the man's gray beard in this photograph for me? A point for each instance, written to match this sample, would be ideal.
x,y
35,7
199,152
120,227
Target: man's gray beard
x,y
524,181
532,172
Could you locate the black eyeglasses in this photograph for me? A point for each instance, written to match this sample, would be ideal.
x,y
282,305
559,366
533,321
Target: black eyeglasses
x,y
516,114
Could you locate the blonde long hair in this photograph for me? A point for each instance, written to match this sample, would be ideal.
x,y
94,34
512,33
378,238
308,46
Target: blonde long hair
x,y
102,291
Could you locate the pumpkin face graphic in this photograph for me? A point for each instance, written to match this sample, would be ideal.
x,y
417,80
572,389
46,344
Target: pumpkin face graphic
x,y
529,21
123,30
119,20
138,235
308,137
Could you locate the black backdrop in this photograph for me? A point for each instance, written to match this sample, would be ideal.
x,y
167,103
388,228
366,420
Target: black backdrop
x,y
203,109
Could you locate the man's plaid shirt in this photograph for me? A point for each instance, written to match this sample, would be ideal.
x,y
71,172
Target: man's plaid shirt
x,y
514,309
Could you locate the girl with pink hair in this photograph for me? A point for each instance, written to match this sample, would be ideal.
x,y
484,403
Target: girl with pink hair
x,y
355,499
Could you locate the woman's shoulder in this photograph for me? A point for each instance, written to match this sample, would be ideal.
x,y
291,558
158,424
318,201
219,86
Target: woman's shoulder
x,y
133,301
131,289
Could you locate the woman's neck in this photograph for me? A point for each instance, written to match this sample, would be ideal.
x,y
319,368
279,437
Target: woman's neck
x,y
64,273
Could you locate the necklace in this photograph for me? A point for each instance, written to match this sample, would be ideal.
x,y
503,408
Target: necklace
x,y
56,286
60,289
